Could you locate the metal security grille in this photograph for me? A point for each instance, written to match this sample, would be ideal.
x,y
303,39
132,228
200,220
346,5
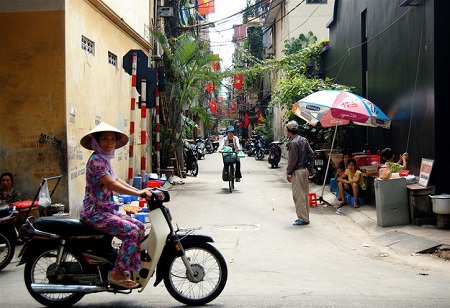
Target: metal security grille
x,y
112,59
88,45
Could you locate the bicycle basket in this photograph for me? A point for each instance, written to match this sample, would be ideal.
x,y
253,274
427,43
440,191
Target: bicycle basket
x,y
229,158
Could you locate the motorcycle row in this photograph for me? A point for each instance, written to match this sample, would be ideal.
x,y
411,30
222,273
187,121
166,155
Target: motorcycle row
x,y
194,150
66,259
256,146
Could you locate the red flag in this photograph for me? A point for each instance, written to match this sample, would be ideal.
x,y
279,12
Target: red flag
x,y
216,64
209,87
260,120
232,107
206,7
246,120
213,106
238,80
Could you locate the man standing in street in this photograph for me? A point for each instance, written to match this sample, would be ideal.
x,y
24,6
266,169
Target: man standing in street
x,y
300,156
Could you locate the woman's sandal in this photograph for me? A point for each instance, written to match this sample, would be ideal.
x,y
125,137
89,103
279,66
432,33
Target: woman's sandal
x,y
356,205
124,283
341,205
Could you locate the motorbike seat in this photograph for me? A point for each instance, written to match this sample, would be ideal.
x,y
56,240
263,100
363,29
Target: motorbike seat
x,y
65,226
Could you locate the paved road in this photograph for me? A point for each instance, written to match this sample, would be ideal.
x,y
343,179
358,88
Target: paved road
x,y
333,262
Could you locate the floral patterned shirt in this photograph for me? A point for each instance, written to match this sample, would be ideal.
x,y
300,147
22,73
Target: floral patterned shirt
x,y
98,198
11,197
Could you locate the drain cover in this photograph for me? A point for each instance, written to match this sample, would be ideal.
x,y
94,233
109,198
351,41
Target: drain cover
x,y
407,242
238,227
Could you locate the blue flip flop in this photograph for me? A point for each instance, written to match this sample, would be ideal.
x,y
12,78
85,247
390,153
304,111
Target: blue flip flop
x,y
300,222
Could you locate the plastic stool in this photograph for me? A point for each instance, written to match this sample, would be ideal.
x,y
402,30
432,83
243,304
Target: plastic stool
x,y
348,198
333,186
360,201
141,216
312,199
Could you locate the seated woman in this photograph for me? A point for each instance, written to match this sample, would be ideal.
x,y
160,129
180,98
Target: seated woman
x,y
351,182
8,194
342,165
388,155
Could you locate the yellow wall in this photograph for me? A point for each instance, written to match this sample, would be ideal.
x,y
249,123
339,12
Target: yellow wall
x,y
32,99
96,91
52,93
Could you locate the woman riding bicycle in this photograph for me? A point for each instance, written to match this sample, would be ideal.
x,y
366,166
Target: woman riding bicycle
x,y
233,141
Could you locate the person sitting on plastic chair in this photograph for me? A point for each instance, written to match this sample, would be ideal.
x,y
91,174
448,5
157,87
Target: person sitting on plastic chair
x,y
233,141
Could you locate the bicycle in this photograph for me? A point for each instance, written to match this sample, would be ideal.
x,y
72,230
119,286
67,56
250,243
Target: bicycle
x,y
229,160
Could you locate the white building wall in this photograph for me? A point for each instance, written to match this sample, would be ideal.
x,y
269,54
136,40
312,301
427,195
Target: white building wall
x,y
291,21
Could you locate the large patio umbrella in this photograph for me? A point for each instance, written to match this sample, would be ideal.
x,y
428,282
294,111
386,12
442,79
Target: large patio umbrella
x,y
335,108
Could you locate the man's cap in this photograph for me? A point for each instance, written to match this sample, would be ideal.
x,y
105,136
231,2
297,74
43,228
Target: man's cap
x,y
292,125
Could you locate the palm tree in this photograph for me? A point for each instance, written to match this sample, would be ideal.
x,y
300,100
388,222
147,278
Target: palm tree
x,y
187,63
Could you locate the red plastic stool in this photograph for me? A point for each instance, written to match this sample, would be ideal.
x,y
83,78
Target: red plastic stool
x,y
312,199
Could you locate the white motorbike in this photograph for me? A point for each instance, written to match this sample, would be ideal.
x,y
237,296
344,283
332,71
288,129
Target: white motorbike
x,y
66,259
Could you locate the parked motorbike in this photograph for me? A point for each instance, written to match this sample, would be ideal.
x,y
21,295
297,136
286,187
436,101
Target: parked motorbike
x,y
211,145
260,149
8,234
190,157
201,148
249,146
66,259
318,169
274,154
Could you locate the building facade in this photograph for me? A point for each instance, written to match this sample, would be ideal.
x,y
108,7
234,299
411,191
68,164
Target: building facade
x,y
394,55
63,74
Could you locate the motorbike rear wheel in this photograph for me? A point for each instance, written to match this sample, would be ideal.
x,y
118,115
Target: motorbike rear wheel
x,y
210,271
7,250
194,170
41,268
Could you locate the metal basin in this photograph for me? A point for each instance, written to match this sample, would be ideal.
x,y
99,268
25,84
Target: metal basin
x,y
441,204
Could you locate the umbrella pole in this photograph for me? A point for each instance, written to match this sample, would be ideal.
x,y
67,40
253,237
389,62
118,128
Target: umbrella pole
x,y
328,166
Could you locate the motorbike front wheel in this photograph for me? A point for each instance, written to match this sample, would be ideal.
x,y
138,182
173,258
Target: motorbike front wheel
x,y
43,270
7,250
260,155
210,275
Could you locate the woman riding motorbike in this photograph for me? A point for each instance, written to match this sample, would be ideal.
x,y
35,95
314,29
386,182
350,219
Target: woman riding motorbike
x,y
98,207
233,141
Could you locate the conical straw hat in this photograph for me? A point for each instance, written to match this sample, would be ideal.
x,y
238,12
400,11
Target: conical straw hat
x,y
122,139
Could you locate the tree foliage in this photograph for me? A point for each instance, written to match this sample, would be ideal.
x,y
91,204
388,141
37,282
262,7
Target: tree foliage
x,y
187,63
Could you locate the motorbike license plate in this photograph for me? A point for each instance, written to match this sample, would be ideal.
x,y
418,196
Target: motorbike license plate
x,y
318,162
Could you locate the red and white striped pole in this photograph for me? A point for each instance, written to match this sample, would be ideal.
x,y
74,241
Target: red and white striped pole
x,y
158,129
143,129
132,120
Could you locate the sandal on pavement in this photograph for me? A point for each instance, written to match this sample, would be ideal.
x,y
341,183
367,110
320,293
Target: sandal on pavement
x,y
238,180
300,222
341,205
124,283
356,205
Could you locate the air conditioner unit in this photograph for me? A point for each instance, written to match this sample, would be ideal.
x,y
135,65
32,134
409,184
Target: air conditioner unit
x,y
165,11
157,52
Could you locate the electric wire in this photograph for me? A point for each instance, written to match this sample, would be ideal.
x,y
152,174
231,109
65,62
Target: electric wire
x,y
415,85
